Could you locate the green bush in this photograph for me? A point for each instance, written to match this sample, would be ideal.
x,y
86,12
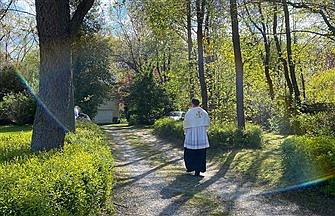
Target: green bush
x,y
76,180
226,135
322,123
18,108
307,158
281,123
229,136
9,81
147,100
169,128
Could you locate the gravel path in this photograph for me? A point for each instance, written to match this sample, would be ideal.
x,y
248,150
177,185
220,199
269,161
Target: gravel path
x,y
151,180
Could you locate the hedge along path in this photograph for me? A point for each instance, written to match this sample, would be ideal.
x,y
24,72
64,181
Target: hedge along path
x,y
151,180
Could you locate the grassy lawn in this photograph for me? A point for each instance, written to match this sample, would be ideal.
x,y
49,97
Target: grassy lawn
x,y
264,165
11,129
14,141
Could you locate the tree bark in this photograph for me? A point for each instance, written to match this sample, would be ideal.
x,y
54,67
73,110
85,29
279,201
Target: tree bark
x,y
238,65
280,54
200,5
267,54
267,46
189,48
289,53
54,115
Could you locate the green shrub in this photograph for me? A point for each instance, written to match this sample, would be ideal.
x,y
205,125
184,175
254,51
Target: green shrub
x,y
169,128
74,181
322,123
226,135
9,81
229,136
147,100
317,123
307,158
281,123
18,108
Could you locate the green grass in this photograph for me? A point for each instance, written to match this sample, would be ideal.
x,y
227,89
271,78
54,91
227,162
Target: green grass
x,y
76,180
264,165
208,205
12,129
14,142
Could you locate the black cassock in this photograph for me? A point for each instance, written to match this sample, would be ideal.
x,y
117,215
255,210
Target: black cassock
x,y
195,160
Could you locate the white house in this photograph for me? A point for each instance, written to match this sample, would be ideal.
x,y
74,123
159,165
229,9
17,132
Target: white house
x,y
108,113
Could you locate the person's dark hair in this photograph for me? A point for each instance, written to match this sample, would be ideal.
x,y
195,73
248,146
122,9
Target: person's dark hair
x,y
195,102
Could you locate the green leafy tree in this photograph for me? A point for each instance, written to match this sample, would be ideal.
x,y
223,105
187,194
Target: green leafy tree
x,y
93,78
147,101
9,81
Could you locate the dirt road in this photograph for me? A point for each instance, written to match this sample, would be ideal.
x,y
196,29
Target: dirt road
x,y
151,180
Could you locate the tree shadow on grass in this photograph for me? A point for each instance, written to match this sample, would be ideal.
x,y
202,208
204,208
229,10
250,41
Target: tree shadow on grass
x,y
15,128
8,155
308,198
187,187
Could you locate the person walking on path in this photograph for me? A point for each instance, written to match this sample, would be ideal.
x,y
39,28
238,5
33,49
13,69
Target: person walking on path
x,y
196,124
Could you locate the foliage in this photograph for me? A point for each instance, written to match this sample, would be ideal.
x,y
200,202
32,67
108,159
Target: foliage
x,y
322,123
310,119
93,79
29,69
308,158
227,135
9,81
74,181
147,101
321,88
18,108
220,135
169,128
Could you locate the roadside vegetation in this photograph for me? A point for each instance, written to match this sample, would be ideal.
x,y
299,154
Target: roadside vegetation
x,y
267,159
76,180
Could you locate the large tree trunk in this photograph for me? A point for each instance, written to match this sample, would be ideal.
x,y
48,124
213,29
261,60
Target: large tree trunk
x,y
280,54
289,53
238,65
200,5
54,115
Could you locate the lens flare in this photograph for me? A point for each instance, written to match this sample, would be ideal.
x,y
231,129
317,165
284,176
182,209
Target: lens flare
x,y
41,104
300,186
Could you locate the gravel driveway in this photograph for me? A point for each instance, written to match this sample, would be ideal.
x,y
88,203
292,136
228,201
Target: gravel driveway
x,y
151,180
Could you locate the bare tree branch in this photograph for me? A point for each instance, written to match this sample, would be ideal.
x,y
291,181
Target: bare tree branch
x,y
20,11
4,11
328,35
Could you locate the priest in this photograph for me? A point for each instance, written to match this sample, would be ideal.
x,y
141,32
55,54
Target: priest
x,y
196,123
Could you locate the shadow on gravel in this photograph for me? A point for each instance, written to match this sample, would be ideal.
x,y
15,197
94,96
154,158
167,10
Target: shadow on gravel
x,y
133,179
187,186
310,199
148,156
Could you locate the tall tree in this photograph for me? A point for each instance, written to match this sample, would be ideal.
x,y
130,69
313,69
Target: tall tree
x,y
189,46
200,7
267,45
54,115
238,65
289,53
280,53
